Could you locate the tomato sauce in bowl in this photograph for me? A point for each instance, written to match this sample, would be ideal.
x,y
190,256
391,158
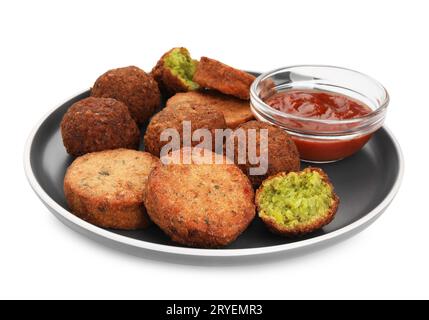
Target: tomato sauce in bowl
x,y
318,105
330,112
326,106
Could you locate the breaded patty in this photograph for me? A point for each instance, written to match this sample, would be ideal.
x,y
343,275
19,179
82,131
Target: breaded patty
x,y
172,117
297,203
213,74
107,188
134,87
96,124
282,153
174,72
200,205
235,111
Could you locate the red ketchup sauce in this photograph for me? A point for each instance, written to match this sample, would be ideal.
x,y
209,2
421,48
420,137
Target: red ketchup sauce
x,y
326,106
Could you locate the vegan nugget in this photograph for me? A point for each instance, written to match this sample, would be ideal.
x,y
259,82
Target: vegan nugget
x,y
96,124
174,72
200,205
134,87
297,203
282,153
173,117
107,188
235,111
213,74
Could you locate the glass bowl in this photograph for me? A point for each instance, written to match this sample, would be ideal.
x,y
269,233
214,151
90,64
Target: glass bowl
x,y
321,140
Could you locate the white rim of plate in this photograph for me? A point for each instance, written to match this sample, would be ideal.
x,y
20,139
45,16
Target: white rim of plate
x,y
141,244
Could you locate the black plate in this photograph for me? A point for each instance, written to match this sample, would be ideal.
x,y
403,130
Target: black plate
x,y
365,183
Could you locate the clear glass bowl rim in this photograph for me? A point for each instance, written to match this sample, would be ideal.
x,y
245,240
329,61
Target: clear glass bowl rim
x,y
269,110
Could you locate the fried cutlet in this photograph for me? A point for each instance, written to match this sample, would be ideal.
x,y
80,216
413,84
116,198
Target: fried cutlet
x,y
200,205
235,111
212,74
107,188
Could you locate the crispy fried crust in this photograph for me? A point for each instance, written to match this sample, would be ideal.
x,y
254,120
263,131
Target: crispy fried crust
x,y
107,188
200,205
235,111
200,116
213,74
168,83
283,155
96,124
134,87
302,229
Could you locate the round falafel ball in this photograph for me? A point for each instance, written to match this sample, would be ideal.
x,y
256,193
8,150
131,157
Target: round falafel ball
x,y
96,124
134,87
200,116
203,204
282,153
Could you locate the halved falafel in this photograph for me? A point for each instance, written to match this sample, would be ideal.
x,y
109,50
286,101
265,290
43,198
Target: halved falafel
x,y
200,205
107,188
96,124
174,72
212,74
173,117
297,203
278,149
134,87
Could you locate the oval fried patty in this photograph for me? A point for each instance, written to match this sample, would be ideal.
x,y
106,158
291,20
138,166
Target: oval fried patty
x,y
200,205
212,74
235,111
107,188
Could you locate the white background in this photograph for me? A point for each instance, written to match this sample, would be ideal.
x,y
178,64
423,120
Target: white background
x,y
49,50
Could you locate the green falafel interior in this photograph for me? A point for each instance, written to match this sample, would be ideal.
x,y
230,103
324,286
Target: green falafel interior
x,y
181,64
296,198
